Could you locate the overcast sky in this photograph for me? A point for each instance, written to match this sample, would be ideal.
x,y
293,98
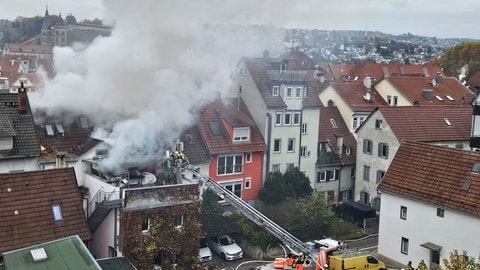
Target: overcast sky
x,y
439,18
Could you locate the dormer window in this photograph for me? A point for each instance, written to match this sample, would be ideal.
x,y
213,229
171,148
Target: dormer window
x,y
241,134
289,92
276,91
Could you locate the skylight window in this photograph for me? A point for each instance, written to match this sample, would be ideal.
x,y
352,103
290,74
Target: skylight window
x,y
57,213
60,129
84,122
450,98
447,122
439,98
49,130
334,124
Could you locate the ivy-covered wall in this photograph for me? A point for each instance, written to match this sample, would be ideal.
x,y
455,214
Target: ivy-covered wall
x,y
176,244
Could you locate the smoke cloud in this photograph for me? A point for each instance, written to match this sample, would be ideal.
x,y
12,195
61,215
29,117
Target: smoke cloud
x,y
144,84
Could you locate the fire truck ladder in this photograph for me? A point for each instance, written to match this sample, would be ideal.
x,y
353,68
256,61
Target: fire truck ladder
x,y
290,241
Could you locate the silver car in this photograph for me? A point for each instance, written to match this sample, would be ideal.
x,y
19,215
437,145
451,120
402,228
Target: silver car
x,y
226,247
204,252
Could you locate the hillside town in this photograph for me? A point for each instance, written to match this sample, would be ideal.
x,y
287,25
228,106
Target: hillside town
x,y
393,139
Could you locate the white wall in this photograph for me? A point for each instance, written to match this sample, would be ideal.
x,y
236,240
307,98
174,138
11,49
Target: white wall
x,y
104,235
454,231
376,163
19,164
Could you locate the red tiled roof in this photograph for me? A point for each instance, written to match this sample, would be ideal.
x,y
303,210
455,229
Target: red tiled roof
x,y
34,78
378,71
26,208
435,175
412,88
76,140
336,72
30,48
327,132
353,92
298,60
258,69
427,123
222,144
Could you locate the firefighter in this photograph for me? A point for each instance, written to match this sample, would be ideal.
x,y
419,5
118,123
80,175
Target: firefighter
x,y
422,265
299,259
409,266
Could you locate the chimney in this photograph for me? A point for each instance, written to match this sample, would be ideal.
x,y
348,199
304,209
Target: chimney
x,y
60,160
340,145
367,82
438,77
22,99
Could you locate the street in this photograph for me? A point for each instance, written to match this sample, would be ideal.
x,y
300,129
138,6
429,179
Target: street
x,y
366,244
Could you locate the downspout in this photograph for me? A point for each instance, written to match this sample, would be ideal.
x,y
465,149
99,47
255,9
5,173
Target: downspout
x,y
269,138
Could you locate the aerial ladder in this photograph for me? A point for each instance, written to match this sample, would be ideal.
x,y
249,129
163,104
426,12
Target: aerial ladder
x,y
309,250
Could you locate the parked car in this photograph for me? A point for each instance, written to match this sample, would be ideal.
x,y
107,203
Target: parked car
x,y
226,247
204,252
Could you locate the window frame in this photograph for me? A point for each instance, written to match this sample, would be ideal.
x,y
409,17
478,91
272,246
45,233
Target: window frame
x,y
304,129
179,221
146,221
440,212
378,123
276,90
278,118
304,152
248,182
289,92
296,118
241,132
403,212
275,167
298,92
57,213
232,187
366,173
380,175
367,146
248,157
287,119
354,122
290,145
383,150
236,166
277,145
404,246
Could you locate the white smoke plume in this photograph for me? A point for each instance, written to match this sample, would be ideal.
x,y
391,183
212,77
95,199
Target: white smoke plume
x,y
144,84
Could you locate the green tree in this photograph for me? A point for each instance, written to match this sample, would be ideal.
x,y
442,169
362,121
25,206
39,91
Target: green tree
x,y
461,261
306,217
456,57
210,205
281,187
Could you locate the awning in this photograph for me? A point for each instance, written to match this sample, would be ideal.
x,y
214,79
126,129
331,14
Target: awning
x,y
431,246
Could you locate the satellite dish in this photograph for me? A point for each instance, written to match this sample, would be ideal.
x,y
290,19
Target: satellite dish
x,y
434,82
367,96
